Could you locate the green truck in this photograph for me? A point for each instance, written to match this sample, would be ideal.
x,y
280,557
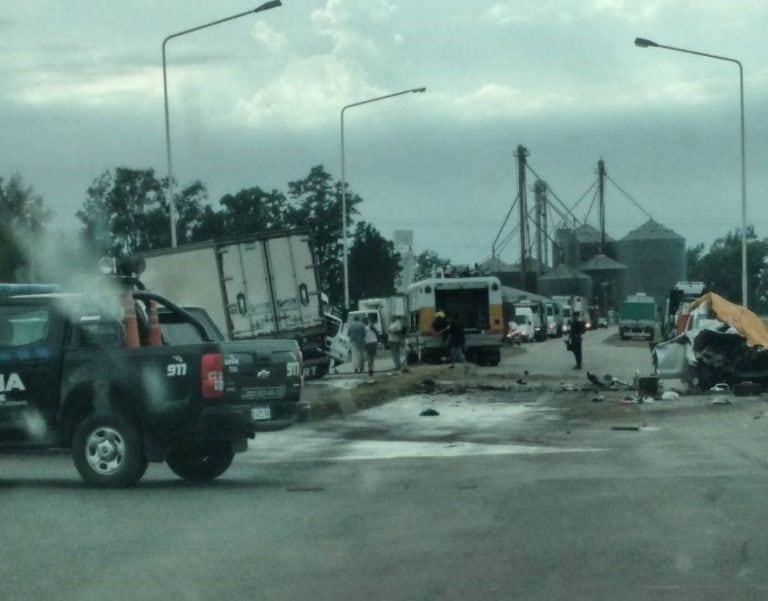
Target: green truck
x,y
637,317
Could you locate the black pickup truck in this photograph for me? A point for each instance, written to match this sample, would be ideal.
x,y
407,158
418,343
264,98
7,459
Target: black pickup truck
x,y
68,379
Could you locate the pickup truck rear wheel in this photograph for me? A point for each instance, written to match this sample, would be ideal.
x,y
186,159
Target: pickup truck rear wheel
x,y
108,451
201,463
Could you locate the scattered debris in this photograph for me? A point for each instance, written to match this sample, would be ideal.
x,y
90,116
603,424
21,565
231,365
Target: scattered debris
x,y
525,373
429,413
721,400
595,380
521,382
428,385
670,395
598,398
722,387
626,428
630,400
648,386
617,384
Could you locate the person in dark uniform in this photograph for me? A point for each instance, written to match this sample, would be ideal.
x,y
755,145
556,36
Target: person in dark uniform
x,y
574,338
456,340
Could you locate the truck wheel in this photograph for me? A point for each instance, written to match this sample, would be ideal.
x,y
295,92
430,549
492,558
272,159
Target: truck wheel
x,y
108,451
494,359
204,463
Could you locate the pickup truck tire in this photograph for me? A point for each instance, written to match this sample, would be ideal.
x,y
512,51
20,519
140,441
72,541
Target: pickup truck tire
x,y
203,463
107,450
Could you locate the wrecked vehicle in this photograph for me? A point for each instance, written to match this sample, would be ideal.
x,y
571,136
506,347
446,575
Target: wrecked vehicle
x,y
722,342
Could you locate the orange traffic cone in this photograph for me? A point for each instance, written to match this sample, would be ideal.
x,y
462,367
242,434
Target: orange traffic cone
x,y
155,336
129,321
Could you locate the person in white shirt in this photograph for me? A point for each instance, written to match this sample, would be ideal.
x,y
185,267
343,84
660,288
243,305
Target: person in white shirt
x,y
371,343
396,333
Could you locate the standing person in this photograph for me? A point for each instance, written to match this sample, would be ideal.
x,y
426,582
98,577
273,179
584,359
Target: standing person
x,y
440,328
371,343
574,337
356,333
456,340
396,333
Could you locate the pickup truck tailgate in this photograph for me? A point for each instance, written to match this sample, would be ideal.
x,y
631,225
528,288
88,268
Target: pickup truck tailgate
x,y
266,376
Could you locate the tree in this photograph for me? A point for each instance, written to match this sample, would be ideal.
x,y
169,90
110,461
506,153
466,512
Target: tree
x,y
373,264
254,210
22,219
720,268
316,202
427,262
126,212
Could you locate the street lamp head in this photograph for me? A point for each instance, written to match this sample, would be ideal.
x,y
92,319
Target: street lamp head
x,y
268,5
643,43
418,90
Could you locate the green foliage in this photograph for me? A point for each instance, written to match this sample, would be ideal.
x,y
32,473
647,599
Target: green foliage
x,y
373,264
427,262
316,203
253,210
126,212
720,268
22,218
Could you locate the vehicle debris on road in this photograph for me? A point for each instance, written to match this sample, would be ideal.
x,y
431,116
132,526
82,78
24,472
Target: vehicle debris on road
x,y
722,343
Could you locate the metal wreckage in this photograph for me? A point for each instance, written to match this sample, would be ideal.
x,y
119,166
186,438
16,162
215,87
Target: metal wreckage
x,y
720,342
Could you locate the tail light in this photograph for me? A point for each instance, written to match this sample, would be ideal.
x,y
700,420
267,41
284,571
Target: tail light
x,y
212,376
301,370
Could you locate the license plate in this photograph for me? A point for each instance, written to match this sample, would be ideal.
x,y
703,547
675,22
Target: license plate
x,y
259,413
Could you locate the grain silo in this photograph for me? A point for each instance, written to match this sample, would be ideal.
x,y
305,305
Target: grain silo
x,y
655,259
576,246
565,281
607,281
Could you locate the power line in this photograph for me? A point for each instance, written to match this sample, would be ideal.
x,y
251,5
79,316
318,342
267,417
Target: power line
x,y
637,204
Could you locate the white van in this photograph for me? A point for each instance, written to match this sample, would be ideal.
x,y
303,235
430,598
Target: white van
x,y
523,320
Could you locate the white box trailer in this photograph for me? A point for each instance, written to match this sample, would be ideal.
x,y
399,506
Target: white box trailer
x,y
380,312
263,285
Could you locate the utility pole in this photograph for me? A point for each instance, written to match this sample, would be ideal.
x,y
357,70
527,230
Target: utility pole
x,y
540,196
601,196
522,152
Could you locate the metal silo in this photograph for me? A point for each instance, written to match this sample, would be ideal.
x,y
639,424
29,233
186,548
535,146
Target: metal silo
x,y
607,281
655,259
565,281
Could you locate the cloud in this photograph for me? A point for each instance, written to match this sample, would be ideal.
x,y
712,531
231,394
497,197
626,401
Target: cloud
x,y
309,93
492,101
269,38
89,89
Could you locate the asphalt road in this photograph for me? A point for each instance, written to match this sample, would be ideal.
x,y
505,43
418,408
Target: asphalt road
x,y
525,493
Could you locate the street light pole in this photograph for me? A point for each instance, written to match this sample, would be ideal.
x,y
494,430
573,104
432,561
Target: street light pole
x,y
644,43
169,189
344,183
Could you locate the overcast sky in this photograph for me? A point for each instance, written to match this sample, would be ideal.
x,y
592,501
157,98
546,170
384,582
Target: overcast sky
x,y
256,101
